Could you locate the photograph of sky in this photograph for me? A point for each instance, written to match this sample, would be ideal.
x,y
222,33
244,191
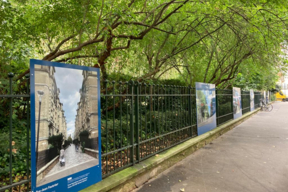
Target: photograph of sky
x,y
69,93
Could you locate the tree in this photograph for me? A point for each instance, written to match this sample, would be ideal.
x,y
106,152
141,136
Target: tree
x,y
70,139
102,33
247,41
72,30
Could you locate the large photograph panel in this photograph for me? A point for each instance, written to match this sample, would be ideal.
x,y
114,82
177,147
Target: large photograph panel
x,y
252,100
66,125
237,107
206,107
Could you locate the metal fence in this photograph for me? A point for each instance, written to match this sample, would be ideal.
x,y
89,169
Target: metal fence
x,y
257,99
138,121
224,105
13,179
245,99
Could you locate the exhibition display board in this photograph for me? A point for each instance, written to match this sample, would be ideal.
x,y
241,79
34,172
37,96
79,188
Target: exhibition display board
x,y
237,105
252,104
206,107
65,126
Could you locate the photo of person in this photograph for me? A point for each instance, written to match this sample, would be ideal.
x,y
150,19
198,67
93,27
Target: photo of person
x,y
66,122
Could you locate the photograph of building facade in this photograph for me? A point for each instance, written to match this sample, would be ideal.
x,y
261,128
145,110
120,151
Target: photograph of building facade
x,y
52,118
87,111
68,108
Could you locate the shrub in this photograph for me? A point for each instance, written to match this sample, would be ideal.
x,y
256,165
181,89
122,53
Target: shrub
x,y
66,144
19,154
273,98
84,133
84,138
56,141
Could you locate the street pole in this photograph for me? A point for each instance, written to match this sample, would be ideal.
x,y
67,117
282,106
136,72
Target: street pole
x,y
40,94
38,133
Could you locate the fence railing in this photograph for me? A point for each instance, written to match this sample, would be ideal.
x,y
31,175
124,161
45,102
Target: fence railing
x,y
15,135
224,105
257,99
245,99
138,121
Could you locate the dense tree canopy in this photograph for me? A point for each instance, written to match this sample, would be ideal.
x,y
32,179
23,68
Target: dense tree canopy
x,y
223,42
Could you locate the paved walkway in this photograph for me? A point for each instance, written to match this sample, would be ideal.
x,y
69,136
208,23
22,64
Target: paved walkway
x,y
74,162
252,157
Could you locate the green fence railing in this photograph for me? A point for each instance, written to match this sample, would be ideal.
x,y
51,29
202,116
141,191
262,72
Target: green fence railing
x,y
257,99
15,134
245,99
138,120
224,105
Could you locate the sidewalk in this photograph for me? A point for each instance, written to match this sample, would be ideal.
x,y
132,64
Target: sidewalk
x,y
252,157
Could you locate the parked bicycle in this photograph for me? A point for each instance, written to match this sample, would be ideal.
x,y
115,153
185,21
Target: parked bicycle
x,y
266,106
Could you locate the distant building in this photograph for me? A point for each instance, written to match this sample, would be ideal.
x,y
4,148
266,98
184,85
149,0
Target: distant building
x,y
87,111
283,83
283,76
52,119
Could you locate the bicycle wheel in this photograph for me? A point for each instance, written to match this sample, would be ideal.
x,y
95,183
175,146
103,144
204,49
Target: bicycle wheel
x,y
269,107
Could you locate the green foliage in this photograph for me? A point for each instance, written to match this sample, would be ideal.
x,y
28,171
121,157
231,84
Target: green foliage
x,y
85,141
84,133
151,124
273,98
211,41
70,139
66,143
19,153
83,146
56,141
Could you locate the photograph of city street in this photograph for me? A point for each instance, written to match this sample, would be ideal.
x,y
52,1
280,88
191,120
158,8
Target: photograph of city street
x,y
206,104
66,115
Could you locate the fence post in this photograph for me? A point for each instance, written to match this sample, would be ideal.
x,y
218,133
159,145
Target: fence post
x,y
10,75
249,95
106,121
190,111
132,122
114,132
27,76
137,121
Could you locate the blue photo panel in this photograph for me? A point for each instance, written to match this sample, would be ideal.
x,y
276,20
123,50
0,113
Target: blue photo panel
x,y
237,107
65,126
206,107
252,107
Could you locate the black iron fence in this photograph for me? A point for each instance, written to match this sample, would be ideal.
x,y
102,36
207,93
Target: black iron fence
x,y
138,121
257,99
245,99
15,134
224,105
